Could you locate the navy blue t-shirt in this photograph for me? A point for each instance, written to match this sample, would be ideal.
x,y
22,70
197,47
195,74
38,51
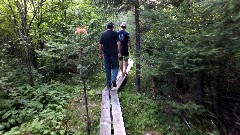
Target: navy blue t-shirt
x,y
109,40
124,38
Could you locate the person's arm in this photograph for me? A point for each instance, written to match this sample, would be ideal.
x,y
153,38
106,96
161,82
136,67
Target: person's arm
x,y
100,47
100,50
128,41
129,45
119,48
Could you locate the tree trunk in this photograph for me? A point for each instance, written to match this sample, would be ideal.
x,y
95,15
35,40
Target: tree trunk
x,y
218,104
30,75
86,105
137,81
201,91
29,66
22,29
29,48
40,21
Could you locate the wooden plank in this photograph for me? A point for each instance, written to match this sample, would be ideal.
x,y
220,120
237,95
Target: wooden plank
x,y
130,64
118,124
105,121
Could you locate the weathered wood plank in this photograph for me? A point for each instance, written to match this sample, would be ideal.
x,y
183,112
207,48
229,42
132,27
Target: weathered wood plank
x,y
105,121
130,64
118,124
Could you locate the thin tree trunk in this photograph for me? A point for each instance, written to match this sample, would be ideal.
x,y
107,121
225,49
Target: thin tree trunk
x,y
218,104
29,48
40,21
201,88
30,75
29,54
86,105
137,81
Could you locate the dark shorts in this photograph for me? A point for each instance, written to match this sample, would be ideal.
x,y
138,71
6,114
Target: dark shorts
x,y
124,54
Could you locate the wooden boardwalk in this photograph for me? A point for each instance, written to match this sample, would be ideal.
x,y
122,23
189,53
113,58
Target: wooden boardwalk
x,y
106,109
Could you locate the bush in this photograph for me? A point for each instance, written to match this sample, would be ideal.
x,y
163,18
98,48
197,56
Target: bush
x,y
40,110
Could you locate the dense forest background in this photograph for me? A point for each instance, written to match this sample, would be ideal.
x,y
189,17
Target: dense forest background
x,y
186,52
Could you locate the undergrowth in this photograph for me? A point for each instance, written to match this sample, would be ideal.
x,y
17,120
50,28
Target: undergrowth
x,y
162,116
77,110
37,110
139,111
58,108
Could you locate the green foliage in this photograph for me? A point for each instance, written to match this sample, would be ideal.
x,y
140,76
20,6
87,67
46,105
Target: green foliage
x,y
185,118
69,53
76,113
162,116
38,110
60,57
191,48
185,39
146,111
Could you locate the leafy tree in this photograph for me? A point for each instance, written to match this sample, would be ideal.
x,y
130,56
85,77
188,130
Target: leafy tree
x,y
50,34
191,55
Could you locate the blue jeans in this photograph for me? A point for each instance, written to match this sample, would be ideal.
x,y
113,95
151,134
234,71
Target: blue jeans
x,y
111,63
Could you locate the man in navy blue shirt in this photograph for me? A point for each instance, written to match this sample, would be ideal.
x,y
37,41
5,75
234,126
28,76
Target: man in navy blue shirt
x,y
110,48
125,42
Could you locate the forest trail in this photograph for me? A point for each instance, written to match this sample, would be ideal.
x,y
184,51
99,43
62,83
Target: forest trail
x,y
111,110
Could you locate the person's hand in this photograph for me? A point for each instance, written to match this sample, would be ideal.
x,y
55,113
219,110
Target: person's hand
x,y
119,55
100,56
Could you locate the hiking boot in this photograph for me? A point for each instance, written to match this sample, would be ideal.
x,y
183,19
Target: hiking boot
x,y
114,83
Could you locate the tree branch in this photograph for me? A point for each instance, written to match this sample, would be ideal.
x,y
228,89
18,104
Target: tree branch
x,y
34,15
14,20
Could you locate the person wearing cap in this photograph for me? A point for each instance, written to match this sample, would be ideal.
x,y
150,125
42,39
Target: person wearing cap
x,y
110,48
125,43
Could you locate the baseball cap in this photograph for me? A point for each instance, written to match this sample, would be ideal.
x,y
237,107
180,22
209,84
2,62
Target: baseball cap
x,y
123,24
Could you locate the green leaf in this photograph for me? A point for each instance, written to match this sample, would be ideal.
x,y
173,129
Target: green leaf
x,y
1,127
62,132
6,115
45,132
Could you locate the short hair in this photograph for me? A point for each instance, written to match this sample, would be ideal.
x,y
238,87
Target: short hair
x,y
110,25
